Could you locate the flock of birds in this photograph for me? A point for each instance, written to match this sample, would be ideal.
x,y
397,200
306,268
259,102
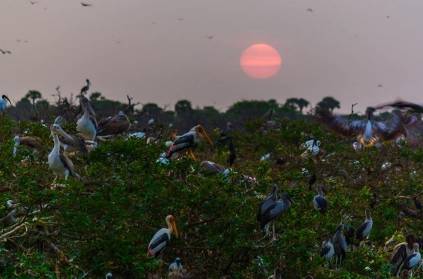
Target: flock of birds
x,y
368,132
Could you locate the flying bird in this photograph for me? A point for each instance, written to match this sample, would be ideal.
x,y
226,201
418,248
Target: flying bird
x,y
369,131
84,4
310,10
2,51
162,237
210,37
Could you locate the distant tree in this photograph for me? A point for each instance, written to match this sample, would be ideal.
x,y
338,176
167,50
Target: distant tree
x,y
33,95
183,107
328,104
151,110
291,103
302,103
95,96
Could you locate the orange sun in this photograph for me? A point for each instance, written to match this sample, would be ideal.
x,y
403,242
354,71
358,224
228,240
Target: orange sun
x,y
260,61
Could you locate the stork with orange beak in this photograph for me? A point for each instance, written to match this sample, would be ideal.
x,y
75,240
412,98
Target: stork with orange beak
x,y
162,237
188,141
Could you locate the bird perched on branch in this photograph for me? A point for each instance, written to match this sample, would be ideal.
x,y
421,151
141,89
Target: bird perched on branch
x,y
87,124
72,143
29,141
115,125
162,237
188,141
58,162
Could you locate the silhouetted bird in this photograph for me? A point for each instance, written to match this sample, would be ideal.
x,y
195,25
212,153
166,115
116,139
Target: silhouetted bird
x,y
85,89
86,4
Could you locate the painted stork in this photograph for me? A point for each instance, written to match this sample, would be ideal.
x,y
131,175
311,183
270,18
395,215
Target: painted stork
x,y
162,237
188,141
400,254
311,147
363,231
58,162
115,125
3,103
368,132
319,201
328,250
31,142
87,124
413,261
271,208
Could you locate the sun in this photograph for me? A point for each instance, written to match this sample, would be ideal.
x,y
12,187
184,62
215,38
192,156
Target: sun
x,y
260,61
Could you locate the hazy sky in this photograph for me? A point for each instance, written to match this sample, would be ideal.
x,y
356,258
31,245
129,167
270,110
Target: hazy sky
x,y
158,50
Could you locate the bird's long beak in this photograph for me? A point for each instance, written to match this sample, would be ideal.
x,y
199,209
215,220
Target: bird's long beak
x,y
7,98
175,229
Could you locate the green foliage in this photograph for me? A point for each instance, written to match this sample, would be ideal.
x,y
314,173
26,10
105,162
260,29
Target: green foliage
x,y
105,221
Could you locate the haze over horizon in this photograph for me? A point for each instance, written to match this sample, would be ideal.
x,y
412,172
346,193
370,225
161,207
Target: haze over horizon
x,y
160,51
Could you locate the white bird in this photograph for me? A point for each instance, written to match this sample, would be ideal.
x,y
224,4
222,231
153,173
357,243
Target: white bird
x,y
176,266
87,124
59,163
162,237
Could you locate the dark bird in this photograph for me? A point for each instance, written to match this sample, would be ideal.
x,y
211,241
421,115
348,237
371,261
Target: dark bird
x,y
310,10
115,125
380,85
210,37
2,51
85,89
340,245
271,208
311,180
369,131
319,201
33,2
162,237
403,105
86,4
363,231
400,254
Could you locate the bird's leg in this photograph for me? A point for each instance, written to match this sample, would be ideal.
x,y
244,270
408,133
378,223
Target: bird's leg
x,y
191,154
274,233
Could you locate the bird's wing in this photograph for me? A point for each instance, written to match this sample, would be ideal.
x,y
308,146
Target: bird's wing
x,y
188,138
389,131
400,255
159,241
114,125
68,165
343,125
403,105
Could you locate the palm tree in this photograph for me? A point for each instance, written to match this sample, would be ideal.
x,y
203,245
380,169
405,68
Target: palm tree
x,y
328,104
302,103
33,95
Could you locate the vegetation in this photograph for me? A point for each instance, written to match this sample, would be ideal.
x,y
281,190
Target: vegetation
x,y
103,223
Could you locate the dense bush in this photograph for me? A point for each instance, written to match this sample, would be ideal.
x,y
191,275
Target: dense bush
x,y
104,222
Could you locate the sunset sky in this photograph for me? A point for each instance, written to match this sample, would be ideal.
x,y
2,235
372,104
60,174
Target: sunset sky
x,y
162,51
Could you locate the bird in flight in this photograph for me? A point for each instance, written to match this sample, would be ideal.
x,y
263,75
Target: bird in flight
x,y
86,4
2,51
310,10
33,2
210,37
